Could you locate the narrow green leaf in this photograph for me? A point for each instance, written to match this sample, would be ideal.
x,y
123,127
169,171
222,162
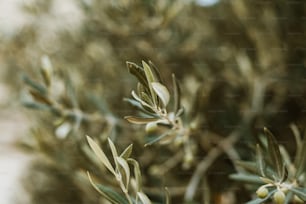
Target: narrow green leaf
x,y
168,200
274,153
150,78
40,98
177,94
158,138
267,180
133,102
138,72
289,197
180,112
103,193
162,92
137,174
37,106
122,162
41,89
246,178
138,105
164,123
156,71
46,70
300,192
140,121
298,139
260,161
141,101
301,162
100,154
127,152
146,98
285,156
285,173
144,198
141,88
113,150
113,194
250,167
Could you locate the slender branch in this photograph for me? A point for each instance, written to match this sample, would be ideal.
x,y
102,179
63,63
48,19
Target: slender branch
x,y
207,162
227,143
169,164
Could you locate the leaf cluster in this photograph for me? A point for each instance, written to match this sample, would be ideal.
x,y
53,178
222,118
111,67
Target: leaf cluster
x,y
275,169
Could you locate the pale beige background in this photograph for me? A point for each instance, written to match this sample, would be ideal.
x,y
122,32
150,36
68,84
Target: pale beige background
x,y
13,124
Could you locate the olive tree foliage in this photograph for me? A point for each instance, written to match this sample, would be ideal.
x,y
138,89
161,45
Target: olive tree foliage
x,y
206,81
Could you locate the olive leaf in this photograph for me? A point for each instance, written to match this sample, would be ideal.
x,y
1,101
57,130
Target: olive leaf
x,y
40,98
162,92
127,152
146,98
167,196
267,180
46,70
289,197
137,173
156,71
260,161
114,151
138,105
100,154
145,104
251,167
122,162
300,192
301,159
177,94
144,198
138,72
274,153
249,178
285,174
138,120
150,78
39,88
113,194
158,138
141,89
37,106
108,193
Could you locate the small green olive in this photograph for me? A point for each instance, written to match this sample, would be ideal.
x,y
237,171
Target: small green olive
x,y
262,192
279,197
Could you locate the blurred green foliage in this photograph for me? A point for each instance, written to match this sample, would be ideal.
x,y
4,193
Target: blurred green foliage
x,y
240,65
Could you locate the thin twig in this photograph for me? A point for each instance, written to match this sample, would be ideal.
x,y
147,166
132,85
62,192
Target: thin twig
x,y
227,143
207,162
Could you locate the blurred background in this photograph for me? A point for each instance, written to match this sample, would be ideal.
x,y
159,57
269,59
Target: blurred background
x,y
13,123
230,57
